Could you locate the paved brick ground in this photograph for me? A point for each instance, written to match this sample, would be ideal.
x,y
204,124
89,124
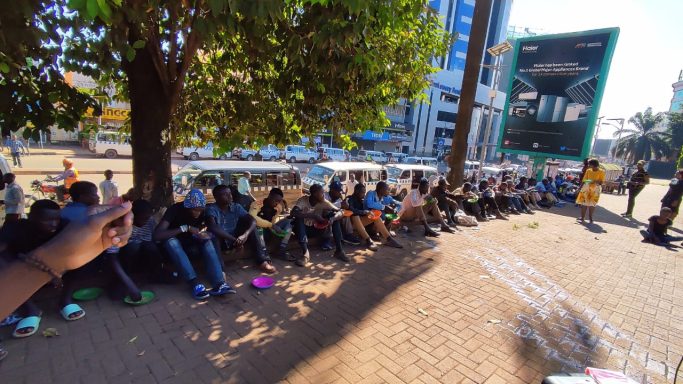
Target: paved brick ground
x,y
504,304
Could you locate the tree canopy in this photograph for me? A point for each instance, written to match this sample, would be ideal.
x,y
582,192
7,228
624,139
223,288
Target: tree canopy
x,y
241,70
263,70
32,88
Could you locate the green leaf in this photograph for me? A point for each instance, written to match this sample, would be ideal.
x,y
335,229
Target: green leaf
x,y
4,68
139,44
92,8
104,9
76,4
130,54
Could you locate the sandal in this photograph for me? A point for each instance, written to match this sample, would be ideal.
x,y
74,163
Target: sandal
x,y
72,312
31,322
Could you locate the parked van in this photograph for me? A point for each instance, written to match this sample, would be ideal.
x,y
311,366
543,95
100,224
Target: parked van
x,y
471,166
370,174
404,177
334,154
296,153
430,161
396,157
110,144
205,175
376,156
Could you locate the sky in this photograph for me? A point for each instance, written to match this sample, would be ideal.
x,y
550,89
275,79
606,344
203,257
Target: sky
x,y
649,51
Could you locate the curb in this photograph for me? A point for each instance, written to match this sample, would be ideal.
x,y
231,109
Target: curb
x,y
57,171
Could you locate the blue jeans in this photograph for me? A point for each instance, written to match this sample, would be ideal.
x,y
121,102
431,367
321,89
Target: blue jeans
x,y
282,225
176,251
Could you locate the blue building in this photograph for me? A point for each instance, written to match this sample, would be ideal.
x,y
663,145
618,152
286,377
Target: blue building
x,y
435,122
428,128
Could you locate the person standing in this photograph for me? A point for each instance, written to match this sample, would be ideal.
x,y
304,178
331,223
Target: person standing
x,y
639,179
590,191
244,188
16,149
14,199
351,184
108,188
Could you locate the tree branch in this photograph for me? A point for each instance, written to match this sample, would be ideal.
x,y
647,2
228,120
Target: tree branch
x,y
173,51
153,44
192,42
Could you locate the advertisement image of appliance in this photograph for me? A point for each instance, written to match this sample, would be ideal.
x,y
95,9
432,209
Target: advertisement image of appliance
x,y
552,108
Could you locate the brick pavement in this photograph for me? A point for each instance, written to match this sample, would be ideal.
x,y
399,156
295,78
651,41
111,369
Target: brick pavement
x,y
504,304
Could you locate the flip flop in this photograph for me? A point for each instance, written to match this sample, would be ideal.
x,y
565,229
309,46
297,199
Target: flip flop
x,y
26,322
69,310
9,320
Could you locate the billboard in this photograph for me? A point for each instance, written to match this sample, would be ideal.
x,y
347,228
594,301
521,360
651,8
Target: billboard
x,y
554,95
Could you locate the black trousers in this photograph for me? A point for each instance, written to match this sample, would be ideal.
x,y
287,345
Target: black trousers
x,y
252,243
632,193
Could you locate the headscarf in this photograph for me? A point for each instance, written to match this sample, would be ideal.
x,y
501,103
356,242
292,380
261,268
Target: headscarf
x,y
194,199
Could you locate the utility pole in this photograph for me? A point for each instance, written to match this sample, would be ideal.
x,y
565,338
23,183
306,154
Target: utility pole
x,y
475,52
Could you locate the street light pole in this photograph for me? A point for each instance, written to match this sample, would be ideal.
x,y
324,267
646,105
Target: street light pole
x,y
497,50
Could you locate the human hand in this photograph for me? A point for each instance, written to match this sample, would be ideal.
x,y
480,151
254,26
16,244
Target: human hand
x,y
193,230
240,241
389,209
81,242
135,296
345,204
320,219
364,212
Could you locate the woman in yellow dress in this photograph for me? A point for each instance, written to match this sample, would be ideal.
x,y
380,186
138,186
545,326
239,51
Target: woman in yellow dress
x,y
590,191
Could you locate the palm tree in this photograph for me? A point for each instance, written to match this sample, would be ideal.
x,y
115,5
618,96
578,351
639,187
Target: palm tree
x,y
643,140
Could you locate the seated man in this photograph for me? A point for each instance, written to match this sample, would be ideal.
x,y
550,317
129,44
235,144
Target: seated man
x,y
487,201
313,209
267,216
417,205
335,197
469,201
446,200
656,232
23,236
543,189
180,234
522,195
141,254
360,219
380,200
232,227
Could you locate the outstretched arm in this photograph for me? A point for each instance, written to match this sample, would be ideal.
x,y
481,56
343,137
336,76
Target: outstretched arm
x,y
78,244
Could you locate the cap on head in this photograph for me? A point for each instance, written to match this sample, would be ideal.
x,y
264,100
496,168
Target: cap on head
x,y
194,199
67,162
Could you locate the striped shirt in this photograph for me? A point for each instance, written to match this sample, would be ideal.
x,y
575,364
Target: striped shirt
x,y
144,233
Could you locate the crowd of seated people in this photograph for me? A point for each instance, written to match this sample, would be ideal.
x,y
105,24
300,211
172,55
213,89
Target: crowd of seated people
x,y
165,250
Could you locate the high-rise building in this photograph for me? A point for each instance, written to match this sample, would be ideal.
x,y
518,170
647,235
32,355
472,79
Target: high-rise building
x,y
433,123
677,100
427,128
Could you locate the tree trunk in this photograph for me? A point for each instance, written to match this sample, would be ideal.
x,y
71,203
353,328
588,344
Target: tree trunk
x,y
475,51
150,138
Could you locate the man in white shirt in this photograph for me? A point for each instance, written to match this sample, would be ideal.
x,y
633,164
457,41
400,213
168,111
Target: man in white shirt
x,y
243,186
351,184
14,199
418,204
108,188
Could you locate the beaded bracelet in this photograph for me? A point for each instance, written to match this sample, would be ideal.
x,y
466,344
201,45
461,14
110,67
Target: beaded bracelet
x,y
39,264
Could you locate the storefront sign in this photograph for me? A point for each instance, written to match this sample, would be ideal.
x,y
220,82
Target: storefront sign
x,y
111,113
555,92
